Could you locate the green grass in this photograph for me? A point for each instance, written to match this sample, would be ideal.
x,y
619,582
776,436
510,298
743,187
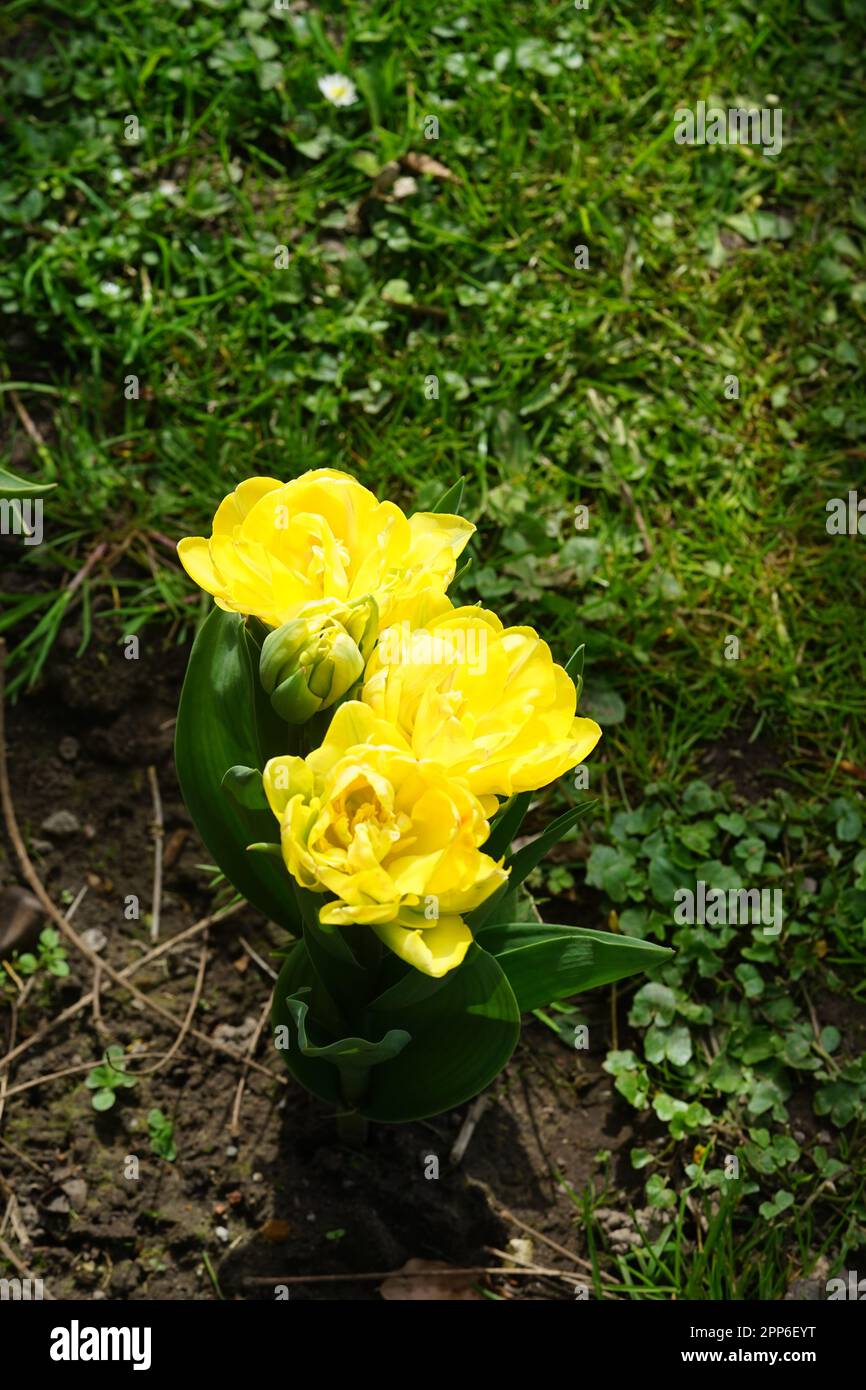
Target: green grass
x,y
557,387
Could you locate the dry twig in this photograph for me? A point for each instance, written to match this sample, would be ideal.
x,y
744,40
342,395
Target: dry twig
x,y
158,829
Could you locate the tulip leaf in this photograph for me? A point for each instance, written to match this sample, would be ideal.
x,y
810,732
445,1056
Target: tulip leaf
x,y
451,501
330,954
524,861
462,1035
319,1076
246,786
574,664
545,962
574,667
507,824
347,1052
412,986
225,721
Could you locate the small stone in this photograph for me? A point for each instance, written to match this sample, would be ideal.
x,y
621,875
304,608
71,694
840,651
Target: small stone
x,y
521,1250
231,1151
41,846
404,187
76,1191
61,823
624,1236
125,1277
68,748
311,1216
233,1034
257,1177
221,1233
94,938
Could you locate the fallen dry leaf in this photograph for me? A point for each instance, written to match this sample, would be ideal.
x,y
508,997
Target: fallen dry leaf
x,y
425,164
275,1231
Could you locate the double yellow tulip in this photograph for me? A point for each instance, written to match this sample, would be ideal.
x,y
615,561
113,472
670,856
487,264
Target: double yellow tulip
x,y
454,711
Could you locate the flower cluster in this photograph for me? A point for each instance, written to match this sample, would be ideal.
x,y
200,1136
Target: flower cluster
x,y
426,716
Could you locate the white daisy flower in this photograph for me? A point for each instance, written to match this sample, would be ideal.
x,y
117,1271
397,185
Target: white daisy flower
x,y
338,90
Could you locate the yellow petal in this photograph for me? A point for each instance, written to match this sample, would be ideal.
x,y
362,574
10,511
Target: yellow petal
x,y
194,554
233,509
355,724
433,950
437,536
284,778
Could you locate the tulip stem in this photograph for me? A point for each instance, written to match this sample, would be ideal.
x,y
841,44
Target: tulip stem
x,y
352,1126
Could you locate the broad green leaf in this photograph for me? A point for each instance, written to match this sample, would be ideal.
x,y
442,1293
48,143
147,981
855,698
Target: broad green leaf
x,y
544,962
346,1053
225,720
462,1037
462,1034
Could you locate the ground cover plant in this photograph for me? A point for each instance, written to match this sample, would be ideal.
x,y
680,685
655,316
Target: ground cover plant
x,y
482,254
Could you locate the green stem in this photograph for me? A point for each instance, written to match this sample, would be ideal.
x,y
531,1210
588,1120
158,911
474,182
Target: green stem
x,y
352,1126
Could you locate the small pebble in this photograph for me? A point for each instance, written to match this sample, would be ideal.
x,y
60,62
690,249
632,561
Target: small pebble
x,y
94,938
60,823
257,1177
231,1151
221,1233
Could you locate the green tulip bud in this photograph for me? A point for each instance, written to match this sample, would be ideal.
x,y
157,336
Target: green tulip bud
x,y
312,660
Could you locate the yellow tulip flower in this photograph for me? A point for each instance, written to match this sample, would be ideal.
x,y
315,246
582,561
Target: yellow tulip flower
x,y
393,838
486,702
277,547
